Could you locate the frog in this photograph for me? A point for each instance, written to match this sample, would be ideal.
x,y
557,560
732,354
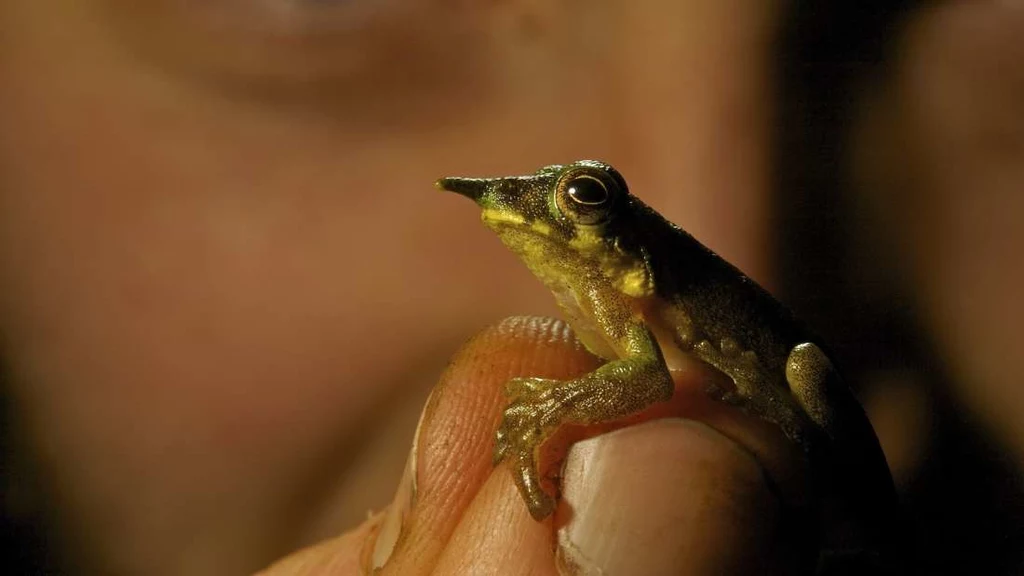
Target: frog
x,y
637,289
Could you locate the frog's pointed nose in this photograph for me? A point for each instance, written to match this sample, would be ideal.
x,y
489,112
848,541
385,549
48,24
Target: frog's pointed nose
x,y
472,188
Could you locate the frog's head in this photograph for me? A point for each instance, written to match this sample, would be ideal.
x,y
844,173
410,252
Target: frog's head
x,y
564,220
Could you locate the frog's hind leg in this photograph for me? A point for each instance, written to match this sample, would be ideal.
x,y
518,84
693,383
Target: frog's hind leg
x,y
757,390
855,490
814,382
830,404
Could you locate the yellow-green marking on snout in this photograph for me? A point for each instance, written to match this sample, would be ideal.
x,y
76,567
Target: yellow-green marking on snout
x,y
637,289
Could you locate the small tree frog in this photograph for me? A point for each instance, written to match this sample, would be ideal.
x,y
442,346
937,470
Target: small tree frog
x,y
636,288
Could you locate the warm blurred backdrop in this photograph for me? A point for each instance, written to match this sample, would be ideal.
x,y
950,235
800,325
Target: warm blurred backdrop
x,y
227,285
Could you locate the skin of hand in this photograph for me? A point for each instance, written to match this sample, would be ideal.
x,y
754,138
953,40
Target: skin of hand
x,y
662,493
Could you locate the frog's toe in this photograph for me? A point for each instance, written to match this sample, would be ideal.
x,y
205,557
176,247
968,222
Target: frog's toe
x,y
501,446
528,387
540,505
524,427
517,446
526,477
514,435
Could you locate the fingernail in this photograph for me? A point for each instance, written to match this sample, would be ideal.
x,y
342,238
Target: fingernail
x,y
395,521
670,496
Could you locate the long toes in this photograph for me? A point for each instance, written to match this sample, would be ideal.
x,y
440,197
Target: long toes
x,y
500,452
541,505
514,390
538,502
514,437
517,412
503,440
529,387
517,387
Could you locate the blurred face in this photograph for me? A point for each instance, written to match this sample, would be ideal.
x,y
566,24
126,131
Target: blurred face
x,y
943,162
225,278
226,281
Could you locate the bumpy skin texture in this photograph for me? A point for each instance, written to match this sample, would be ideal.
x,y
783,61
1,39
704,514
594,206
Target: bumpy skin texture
x,y
634,288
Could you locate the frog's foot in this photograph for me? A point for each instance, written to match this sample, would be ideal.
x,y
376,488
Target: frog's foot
x,y
757,392
741,366
526,423
540,406
728,357
528,418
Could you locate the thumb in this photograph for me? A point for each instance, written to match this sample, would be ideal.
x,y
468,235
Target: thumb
x,y
665,496
450,459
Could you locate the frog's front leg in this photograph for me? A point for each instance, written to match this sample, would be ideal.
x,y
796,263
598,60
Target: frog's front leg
x,y
539,406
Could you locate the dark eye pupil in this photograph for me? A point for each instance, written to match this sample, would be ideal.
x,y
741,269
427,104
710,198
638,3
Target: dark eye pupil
x,y
587,191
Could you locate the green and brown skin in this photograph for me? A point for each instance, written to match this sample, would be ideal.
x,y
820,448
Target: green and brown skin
x,y
639,291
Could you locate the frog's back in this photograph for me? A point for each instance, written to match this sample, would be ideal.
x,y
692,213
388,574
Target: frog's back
x,y
719,300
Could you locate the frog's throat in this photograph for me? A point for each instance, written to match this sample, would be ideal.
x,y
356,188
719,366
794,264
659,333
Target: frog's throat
x,y
495,218
559,262
528,238
568,275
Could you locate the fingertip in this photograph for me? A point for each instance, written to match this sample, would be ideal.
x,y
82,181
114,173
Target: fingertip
x,y
456,438
344,555
497,535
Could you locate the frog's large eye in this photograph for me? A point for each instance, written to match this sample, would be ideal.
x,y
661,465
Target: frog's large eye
x,y
587,191
585,199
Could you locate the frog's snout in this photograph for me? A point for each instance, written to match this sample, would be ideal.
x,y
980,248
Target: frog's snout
x,y
472,188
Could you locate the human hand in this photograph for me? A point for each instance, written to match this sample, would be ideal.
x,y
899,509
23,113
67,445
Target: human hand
x,y
666,494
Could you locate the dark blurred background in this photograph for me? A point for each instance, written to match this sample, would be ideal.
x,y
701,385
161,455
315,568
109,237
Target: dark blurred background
x,y
961,488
